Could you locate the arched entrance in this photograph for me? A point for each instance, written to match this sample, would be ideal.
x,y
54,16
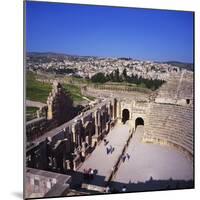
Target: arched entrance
x,y
139,121
125,115
188,101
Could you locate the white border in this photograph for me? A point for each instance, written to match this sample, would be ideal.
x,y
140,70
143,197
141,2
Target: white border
x,y
11,99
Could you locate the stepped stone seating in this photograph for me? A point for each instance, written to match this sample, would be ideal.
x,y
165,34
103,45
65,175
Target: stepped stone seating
x,y
177,87
97,92
171,125
186,87
169,89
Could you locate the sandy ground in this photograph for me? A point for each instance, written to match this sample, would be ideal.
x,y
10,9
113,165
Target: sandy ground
x,y
103,162
152,160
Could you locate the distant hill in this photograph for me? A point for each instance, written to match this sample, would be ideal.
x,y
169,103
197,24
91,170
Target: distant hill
x,y
48,54
53,54
188,66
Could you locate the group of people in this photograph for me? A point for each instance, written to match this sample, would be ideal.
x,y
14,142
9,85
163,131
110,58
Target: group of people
x,y
109,149
124,156
105,142
88,174
113,190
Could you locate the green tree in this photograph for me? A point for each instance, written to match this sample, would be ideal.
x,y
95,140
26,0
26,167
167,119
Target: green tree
x,y
99,78
117,76
124,73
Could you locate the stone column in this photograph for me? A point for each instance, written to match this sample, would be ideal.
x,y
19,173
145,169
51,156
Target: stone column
x,y
67,165
79,138
115,109
118,109
97,123
73,134
108,107
83,149
109,112
50,108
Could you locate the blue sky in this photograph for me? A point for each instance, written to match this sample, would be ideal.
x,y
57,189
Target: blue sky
x,y
109,31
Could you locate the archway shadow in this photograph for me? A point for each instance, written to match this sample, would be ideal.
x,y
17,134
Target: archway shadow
x,y
125,115
139,121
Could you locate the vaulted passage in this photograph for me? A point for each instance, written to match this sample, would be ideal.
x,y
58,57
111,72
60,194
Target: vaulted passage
x,y
125,115
188,101
139,121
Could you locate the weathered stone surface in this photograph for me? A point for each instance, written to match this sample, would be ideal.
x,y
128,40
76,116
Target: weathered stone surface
x,y
60,105
167,117
41,183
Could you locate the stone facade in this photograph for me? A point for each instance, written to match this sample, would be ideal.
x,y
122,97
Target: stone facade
x,y
60,143
66,146
41,183
167,120
165,124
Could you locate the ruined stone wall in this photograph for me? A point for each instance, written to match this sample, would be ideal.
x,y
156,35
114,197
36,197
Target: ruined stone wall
x,y
36,128
59,110
165,124
137,109
66,146
41,183
60,105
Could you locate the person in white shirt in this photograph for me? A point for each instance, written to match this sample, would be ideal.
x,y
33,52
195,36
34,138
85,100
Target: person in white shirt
x,y
124,189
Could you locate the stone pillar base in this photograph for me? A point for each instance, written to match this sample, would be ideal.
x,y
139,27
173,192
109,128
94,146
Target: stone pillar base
x,y
95,140
76,162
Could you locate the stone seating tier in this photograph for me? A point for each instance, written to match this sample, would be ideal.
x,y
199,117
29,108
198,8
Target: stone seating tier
x,y
171,124
178,87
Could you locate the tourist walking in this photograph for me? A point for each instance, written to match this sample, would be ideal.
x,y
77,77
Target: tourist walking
x,y
92,174
123,158
112,150
128,156
107,150
124,189
107,190
105,141
89,174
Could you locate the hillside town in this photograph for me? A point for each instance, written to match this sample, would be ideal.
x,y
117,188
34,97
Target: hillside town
x,y
86,67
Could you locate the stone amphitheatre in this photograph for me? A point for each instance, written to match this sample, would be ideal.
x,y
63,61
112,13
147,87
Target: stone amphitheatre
x,y
155,130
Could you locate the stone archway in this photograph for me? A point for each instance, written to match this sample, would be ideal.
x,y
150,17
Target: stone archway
x,y
139,121
125,115
187,101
